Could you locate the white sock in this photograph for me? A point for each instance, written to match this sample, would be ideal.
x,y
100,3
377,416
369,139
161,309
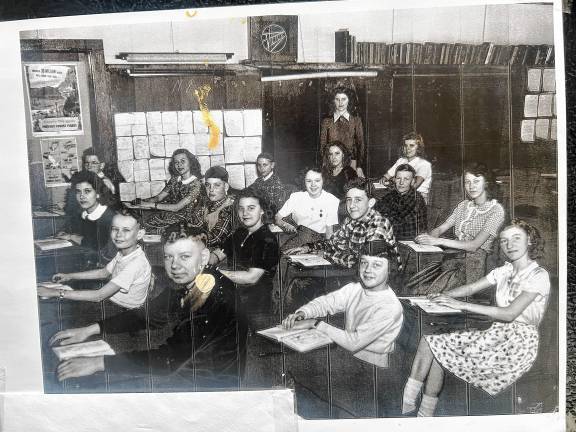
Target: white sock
x,y
411,392
427,406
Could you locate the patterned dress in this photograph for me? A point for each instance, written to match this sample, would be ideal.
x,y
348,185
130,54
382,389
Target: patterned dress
x,y
495,358
177,191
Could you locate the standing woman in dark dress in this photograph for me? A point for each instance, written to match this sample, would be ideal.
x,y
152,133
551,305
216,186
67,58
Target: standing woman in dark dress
x,y
336,169
345,127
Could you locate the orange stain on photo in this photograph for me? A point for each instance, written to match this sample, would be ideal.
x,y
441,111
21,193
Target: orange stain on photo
x,y
201,94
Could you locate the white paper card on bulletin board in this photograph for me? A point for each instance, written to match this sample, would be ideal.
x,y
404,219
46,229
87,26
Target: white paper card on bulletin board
x,y
234,123
185,123
236,178
123,130
218,119
542,128
127,191
219,148
141,170
534,80
200,126
169,122
201,142
188,142
156,187
143,190
154,123
157,170
548,80
126,168
156,144
124,148
527,130
141,148
553,131
123,119
545,105
138,118
531,106
252,148
252,122
171,144
204,163
167,162
139,129
217,160
234,149
250,174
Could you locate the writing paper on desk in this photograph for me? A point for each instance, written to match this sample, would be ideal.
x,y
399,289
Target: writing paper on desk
x,y
301,340
309,260
420,247
83,349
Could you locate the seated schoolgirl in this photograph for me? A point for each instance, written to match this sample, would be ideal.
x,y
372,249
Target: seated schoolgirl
x,y
336,169
413,154
128,273
476,222
313,208
495,358
182,197
91,227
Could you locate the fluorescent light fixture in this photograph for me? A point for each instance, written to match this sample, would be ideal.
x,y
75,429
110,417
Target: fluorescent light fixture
x,y
338,74
175,58
167,72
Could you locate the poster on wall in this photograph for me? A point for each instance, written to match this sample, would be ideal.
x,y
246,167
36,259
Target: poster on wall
x,y
54,99
59,160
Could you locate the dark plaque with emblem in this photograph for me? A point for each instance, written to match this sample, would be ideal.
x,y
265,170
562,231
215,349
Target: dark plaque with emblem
x,y
273,38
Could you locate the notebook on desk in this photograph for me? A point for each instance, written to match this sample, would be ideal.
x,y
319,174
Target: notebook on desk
x,y
420,247
83,349
429,306
298,340
309,260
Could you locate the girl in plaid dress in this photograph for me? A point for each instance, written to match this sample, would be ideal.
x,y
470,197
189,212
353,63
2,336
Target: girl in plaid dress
x,y
476,222
495,358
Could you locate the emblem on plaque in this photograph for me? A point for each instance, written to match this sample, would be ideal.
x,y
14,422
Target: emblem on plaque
x,y
273,38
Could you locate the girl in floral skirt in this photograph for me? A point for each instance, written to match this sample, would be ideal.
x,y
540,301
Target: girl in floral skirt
x,y
495,358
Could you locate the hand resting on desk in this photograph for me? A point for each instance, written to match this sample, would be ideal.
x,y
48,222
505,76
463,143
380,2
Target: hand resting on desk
x,y
445,300
427,239
79,367
297,250
74,335
291,319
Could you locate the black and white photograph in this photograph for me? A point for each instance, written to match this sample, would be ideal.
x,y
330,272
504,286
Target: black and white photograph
x,y
358,203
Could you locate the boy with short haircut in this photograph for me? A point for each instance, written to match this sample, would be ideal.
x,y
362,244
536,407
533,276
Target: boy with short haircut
x,y
128,273
374,314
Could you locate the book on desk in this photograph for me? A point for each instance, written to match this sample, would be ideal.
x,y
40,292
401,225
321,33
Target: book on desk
x,y
309,260
83,349
52,243
420,247
429,306
301,340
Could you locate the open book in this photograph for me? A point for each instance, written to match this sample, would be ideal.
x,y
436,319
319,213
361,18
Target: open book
x,y
419,247
309,260
52,243
299,340
83,349
429,306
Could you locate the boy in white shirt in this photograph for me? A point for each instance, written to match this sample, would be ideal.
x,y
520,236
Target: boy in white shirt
x,y
128,273
374,314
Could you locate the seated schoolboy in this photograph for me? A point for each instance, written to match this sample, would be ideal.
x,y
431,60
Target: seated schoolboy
x,y
362,225
128,274
205,348
404,206
374,314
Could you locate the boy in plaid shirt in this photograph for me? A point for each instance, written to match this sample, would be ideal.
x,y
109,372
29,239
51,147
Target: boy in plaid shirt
x,y
362,225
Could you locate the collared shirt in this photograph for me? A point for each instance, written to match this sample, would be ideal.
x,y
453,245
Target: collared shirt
x,y
188,180
270,174
96,214
406,212
469,219
345,115
345,246
132,274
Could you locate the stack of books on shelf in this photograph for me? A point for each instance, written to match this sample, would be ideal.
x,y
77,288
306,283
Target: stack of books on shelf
x,y
348,50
